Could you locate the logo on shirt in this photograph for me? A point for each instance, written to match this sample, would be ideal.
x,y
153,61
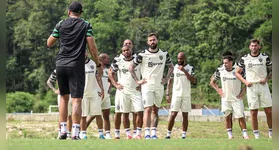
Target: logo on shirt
x,y
260,59
151,64
226,78
125,70
250,65
92,67
161,57
180,74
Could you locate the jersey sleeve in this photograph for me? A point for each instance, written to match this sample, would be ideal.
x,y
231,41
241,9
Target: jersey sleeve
x,y
192,73
55,32
137,60
168,59
114,66
268,61
89,31
52,78
216,75
241,63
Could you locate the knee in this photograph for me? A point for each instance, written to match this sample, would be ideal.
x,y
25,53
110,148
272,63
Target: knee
x,y
268,111
148,110
254,112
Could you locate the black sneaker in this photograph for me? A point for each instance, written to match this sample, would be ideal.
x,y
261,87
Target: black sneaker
x,y
167,137
63,136
183,137
75,138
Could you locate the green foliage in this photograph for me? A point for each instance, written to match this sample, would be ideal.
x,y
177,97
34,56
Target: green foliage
x,y
203,29
19,102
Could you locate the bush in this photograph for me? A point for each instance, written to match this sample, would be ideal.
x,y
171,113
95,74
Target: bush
x,y
19,102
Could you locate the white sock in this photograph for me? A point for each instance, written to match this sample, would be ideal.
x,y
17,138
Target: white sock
x,y
63,127
117,132
168,133
256,134
134,133
101,131
108,133
128,133
270,132
244,133
229,131
183,134
153,131
138,132
75,129
82,134
147,131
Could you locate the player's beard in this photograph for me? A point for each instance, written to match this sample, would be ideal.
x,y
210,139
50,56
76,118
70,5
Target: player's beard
x,y
153,46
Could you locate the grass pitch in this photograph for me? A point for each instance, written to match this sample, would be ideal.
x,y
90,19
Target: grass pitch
x,y
200,135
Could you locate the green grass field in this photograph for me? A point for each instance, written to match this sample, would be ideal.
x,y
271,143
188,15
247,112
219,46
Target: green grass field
x,y
200,135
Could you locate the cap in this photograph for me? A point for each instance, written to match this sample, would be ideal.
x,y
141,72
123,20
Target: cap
x,y
75,7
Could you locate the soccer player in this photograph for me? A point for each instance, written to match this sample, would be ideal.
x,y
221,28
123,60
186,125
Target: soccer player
x,y
152,62
51,82
73,33
106,104
180,97
258,70
91,102
128,94
231,95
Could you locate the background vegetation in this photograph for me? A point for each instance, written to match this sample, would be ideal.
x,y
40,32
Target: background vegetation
x,y
203,29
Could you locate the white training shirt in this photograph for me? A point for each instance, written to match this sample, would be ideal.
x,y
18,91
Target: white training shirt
x,y
152,66
91,83
255,66
231,85
121,67
181,84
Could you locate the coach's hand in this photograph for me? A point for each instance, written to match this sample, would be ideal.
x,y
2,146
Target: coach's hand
x,y
119,86
101,94
248,84
138,88
220,92
142,81
168,98
57,92
263,81
164,81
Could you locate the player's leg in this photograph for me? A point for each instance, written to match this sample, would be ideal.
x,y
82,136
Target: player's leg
x,y
148,102
137,109
229,125
184,124
238,112
139,123
89,119
254,105
76,117
106,113
268,113
126,124
185,108
117,123
171,123
59,128
154,121
63,113
85,104
242,124
99,121
69,120
254,119
134,124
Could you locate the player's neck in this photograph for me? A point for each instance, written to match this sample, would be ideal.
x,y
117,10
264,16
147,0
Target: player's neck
x,y
153,50
255,54
128,58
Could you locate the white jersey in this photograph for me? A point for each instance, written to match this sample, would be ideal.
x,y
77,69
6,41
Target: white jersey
x,y
152,66
181,84
90,79
105,82
125,78
255,67
231,85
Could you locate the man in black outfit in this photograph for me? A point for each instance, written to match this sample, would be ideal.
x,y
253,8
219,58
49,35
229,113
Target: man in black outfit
x,y
73,34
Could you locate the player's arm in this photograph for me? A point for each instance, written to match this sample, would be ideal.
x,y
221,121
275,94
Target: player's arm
x,y
269,71
242,93
100,83
169,90
51,83
111,75
170,71
189,76
51,41
54,35
132,67
213,84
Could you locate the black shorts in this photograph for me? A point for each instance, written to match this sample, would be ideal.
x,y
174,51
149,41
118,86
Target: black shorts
x,y
71,80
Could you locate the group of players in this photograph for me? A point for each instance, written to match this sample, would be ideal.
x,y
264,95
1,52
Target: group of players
x,y
139,80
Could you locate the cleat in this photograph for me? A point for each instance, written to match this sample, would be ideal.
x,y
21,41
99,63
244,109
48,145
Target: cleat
x,y
154,137
129,137
75,138
69,135
84,138
102,137
117,138
138,137
147,137
270,136
63,136
167,137
257,137
246,137
183,137
108,137
230,137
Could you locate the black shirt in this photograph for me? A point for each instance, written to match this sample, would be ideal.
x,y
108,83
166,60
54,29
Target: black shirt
x,y
72,33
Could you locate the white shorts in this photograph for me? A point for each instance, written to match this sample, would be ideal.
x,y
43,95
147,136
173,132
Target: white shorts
x,y
258,96
130,102
106,102
69,104
181,103
235,107
118,97
152,97
91,106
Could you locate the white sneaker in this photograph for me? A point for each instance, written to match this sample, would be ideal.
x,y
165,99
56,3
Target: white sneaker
x,y
257,137
108,137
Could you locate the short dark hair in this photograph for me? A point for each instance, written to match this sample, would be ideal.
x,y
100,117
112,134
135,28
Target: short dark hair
x,y
230,58
227,53
255,41
152,34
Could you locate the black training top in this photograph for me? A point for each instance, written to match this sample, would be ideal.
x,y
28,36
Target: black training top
x,y
72,33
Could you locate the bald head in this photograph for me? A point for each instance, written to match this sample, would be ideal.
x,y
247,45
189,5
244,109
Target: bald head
x,y
181,58
104,58
128,42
